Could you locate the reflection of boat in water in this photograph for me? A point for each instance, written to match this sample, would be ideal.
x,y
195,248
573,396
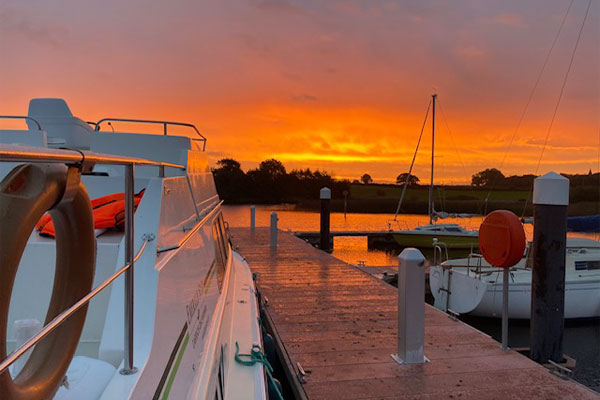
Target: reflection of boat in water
x,y
453,235
473,286
172,330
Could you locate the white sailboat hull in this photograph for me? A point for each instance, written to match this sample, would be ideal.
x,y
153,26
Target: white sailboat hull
x,y
582,296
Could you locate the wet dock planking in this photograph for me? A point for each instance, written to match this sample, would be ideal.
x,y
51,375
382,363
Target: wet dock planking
x,y
339,324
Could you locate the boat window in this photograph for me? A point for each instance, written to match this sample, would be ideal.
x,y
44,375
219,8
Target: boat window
x,y
453,229
583,265
220,252
220,383
225,235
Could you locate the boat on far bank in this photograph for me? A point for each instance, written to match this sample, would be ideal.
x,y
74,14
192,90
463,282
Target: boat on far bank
x,y
472,286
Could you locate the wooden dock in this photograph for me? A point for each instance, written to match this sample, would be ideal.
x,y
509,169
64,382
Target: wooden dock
x,y
339,325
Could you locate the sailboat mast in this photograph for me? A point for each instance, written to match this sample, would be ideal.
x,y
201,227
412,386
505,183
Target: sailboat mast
x,y
433,97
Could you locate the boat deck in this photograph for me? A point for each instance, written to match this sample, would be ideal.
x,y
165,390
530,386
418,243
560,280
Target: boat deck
x,y
339,324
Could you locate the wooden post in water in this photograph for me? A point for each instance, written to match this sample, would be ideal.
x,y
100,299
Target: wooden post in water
x,y
345,202
550,199
273,230
252,217
325,196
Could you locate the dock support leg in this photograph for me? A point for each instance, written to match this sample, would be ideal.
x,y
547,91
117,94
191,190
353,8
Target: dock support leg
x,y
252,217
550,199
325,196
273,235
411,307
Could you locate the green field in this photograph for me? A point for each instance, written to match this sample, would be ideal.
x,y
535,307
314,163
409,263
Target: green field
x,y
441,193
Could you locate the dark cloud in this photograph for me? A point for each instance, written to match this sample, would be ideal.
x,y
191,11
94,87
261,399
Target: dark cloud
x,y
304,98
280,6
15,23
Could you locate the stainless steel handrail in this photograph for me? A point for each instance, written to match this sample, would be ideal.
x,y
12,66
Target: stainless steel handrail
x,y
12,357
35,154
165,124
192,231
25,117
20,153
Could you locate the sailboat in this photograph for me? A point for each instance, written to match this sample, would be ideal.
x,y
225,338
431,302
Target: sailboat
x,y
453,236
472,286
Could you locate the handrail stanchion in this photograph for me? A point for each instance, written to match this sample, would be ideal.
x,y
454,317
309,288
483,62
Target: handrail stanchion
x,y
128,367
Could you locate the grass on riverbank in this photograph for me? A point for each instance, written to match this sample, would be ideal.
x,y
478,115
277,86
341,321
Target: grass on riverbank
x,y
376,198
441,193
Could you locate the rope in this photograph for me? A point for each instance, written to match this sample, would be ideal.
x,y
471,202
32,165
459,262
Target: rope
x,y
257,356
562,89
412,163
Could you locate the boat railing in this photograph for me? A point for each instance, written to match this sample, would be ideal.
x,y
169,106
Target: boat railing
x,y
24,117
439,251
15,153
165,125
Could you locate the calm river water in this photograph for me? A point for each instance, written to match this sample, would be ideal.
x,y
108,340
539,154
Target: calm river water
x,y
581,339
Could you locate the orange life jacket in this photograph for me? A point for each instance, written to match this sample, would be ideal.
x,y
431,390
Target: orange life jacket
x,y
109,212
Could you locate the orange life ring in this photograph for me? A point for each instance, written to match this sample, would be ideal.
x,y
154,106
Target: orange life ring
x,y
26,193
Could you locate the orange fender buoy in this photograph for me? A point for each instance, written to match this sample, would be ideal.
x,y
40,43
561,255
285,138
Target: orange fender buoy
x,y
502,239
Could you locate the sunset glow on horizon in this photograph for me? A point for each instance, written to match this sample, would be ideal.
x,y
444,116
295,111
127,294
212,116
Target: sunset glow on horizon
x,y
340,86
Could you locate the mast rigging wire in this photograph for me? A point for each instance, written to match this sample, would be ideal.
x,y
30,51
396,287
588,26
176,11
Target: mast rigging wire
x,y
527,104
412,163
456,148
562,89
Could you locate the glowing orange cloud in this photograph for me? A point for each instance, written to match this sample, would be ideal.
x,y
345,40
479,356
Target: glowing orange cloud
x,y
341,86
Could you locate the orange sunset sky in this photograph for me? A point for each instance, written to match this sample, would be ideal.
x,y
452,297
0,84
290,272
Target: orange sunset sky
x,y
335,85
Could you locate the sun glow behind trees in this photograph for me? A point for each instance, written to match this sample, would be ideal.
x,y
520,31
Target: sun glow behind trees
x,y
336,86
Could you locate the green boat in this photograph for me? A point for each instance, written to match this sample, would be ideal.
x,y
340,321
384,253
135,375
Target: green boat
x,y
453,236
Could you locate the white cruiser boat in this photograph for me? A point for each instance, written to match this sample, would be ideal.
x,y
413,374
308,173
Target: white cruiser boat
x,y
170,304
473,286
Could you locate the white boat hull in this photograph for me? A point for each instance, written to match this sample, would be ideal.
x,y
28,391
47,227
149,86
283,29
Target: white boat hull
x,y
582,298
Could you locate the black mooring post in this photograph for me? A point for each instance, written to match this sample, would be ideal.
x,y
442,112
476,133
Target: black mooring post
x,y
325,196
550,199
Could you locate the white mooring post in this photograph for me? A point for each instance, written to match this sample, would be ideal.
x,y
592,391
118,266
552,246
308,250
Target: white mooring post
x,y
252,217
411,307
274,220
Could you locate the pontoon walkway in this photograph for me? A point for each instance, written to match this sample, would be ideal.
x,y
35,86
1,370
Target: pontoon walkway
x,y
339,324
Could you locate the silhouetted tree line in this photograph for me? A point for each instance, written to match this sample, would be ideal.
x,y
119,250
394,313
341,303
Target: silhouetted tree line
x,y
271,183
494,178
